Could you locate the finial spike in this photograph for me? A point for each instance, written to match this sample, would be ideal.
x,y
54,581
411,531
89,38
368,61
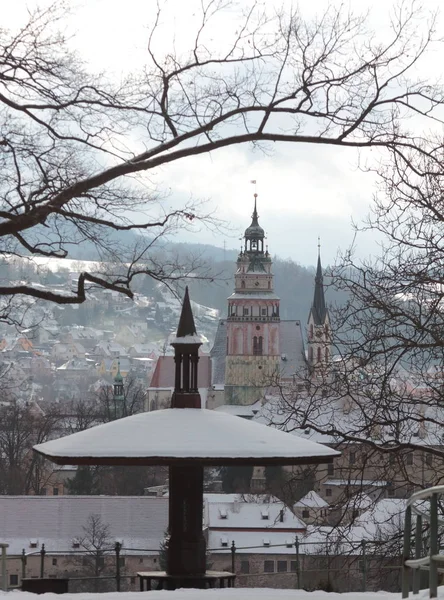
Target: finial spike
x,y
186,321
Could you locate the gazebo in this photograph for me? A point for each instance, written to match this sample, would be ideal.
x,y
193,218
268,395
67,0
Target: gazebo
x,y
186,438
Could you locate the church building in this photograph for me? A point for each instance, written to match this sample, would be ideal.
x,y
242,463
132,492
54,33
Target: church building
x,y
254,347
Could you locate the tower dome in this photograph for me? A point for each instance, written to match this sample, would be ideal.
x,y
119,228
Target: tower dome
x,y
254,234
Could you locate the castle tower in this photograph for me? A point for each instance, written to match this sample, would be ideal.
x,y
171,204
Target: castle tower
x,y
319,332
118,394
253,348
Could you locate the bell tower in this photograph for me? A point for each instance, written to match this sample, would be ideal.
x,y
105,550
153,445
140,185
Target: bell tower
x,y
319,331
253,322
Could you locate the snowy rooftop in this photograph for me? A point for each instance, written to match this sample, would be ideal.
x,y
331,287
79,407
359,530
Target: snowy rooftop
x,y
229,594
183,435
311,500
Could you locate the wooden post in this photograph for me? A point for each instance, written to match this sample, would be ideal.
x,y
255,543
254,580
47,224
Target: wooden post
x,y
417,572
23,564
186,547
298,564
42,561
233,557
406,552
433,568
117,549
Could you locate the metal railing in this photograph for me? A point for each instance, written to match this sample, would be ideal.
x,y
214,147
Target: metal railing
x,y
416,505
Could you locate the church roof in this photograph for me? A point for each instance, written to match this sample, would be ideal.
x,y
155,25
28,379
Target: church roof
x,y
186,325
318,308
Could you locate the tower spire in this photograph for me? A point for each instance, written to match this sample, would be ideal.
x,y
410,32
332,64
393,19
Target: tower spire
x,y
318,307
255,216
186,322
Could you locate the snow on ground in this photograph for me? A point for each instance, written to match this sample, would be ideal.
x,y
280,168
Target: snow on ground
x,y
226,594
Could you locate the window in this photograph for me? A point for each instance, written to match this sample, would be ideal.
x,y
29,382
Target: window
x,y
409,459
268,566
264,514
140,561
245,313
43,491
310,354
328,492
429,459
243,284
257,346
54,562
305,513
319,354
13,579
266,541
390,492
326,355
264,312
392,458
122,561
33,543
352,458
282,566
55,491
311,331
330,469
245,567
75,544
223,513
289,543
293,566
224,542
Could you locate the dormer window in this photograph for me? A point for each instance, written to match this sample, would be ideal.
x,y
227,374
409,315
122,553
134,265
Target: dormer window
x,y
224,542
76,544
266,542
264,515
223,513
33,543
289,543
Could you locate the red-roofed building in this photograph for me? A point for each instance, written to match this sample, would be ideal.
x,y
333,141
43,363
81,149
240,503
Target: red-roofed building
x,y
162,382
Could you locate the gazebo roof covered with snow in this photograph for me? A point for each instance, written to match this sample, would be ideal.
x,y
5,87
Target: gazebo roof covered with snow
x,y
186,438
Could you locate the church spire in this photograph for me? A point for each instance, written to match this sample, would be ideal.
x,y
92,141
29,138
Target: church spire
x,y
319,309
254,234
186,322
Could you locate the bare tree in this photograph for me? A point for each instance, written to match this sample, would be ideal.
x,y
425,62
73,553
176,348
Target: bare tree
x,y
96,541
71,175
21,472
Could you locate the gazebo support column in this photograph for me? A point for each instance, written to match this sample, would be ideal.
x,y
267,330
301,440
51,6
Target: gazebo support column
x,y
187,547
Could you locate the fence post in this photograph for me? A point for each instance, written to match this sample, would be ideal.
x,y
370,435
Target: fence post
x,y
406,551
364,566
42,561
117,549
23,564
298,567
417,572
4,578
433,569
233,557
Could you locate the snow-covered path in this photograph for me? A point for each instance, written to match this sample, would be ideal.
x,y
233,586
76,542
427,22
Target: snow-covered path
x,y
224,594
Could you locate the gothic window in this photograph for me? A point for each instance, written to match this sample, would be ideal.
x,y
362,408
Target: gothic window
x,y
257,346
310,354
319,354
311,331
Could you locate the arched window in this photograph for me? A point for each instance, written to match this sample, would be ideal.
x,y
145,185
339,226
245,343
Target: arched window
x,y
319,354
243,284
311,331
269,285
310,354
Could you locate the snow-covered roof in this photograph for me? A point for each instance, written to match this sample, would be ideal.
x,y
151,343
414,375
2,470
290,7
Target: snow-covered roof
x,y
252,542
311,500
185,435
55,521
355,482
249,512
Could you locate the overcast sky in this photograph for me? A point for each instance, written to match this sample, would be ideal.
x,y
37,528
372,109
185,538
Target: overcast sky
x,y
304,191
